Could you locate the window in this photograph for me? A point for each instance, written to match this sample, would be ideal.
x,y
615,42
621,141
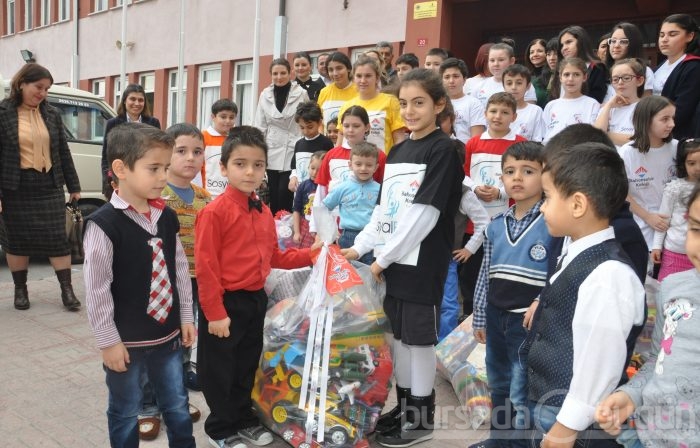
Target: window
x,y
117,91
148,82
28,14
10,16
357,52
100,5
63,10
243,92
83,120
98,87
172,97
45,12
121,2
209,90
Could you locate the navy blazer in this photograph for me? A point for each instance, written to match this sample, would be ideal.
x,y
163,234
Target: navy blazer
x,y
62,167
116,121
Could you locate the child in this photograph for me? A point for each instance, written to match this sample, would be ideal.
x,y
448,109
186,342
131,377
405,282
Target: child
x,y
668,247
501,56
139,295
235,248
303,202
434,58
615,117
308,117
415,219
332,129
357,195
573,106
186,199
662,398
483,166
469,114
513,272
528,122
649,162
590,303
223,118
405,63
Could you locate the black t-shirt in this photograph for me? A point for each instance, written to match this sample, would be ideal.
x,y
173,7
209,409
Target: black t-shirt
x,y
422,279
303,149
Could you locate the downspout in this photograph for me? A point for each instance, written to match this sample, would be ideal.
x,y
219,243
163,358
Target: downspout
x,y
75,58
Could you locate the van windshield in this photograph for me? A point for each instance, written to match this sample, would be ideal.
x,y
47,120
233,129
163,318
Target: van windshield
x,y
83,120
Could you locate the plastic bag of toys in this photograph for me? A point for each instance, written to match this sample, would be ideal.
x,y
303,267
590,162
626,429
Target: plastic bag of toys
x,y
461,360
325,371
284,223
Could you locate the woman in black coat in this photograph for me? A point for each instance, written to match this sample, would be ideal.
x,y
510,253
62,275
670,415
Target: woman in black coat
x,y
35,164
133,108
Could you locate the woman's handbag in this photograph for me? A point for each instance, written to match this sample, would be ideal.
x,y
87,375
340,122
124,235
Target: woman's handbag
x,y
74,232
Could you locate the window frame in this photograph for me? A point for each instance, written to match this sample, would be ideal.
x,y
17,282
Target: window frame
x,y
238,95
172,95
204,113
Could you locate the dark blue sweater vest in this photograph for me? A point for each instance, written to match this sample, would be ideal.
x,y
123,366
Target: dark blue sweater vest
x,y
132,269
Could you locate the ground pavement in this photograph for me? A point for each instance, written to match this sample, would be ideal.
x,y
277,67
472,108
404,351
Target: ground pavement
x,y
52,391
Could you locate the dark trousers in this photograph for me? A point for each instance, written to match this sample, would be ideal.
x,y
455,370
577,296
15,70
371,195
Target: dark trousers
x,y
468,274
226,366
280,196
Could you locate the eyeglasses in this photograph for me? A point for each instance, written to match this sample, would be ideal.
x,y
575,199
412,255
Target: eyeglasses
x,y
622,42
624,78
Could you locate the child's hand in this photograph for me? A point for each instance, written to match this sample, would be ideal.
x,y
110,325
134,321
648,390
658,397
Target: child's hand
x,y
293,184
189,334
376,272
559,436
657,221
486,193
317,245
613,411
297,237
116,357
656,256
618,101
220,328
461,255
350,254
529,314
480,335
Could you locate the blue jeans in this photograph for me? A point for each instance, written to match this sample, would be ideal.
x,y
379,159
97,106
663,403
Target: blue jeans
x,y
347,239
449,310
506,369
545,416
163,366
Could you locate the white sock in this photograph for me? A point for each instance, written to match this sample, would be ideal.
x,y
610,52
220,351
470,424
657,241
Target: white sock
x,y
423,365
402,364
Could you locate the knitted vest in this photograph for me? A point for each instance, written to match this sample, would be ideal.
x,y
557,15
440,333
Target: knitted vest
x,y
518,270
132,269
551,353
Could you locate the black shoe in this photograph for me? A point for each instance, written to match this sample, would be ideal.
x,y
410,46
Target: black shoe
x,y
488,443
191,381
393,417
21,294
416,425
67,295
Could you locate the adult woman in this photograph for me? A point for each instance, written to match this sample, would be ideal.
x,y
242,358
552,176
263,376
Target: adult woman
x,y
678,79
536,60
552,56
574,42
35,164
387,128
481,66
625,42
302,71
342,89
602,48
133,108
275,118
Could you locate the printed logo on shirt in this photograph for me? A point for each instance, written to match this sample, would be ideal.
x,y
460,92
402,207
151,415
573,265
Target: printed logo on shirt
x,y
578,118
643,179
538,252
641,172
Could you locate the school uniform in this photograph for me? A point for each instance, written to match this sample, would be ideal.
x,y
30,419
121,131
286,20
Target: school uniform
x,y
303,150
683,88
235,248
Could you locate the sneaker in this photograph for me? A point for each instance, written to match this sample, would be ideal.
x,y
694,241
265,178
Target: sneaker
x,y
233,441
257,435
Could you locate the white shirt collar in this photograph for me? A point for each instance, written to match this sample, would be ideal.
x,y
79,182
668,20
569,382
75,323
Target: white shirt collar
x,y
510,136
578,246
313,138
213,132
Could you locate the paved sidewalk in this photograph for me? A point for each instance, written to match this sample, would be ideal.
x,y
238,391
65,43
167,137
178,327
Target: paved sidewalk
x,y
52,391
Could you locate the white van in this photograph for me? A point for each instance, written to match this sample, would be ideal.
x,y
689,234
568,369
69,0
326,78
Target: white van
x,y
84,117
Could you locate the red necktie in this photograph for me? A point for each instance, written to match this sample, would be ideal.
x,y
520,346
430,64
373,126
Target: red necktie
x,y
160,301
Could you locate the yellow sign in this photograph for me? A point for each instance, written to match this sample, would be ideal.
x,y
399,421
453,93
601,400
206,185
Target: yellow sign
x,y
425,10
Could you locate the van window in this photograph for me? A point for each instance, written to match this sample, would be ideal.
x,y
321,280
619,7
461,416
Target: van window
x,y
83,120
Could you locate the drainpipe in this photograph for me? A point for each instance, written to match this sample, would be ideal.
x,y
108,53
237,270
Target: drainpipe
x,y
181,66
75,61
280,48
256,58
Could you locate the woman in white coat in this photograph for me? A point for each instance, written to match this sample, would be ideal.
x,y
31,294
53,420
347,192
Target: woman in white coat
x,y
275,118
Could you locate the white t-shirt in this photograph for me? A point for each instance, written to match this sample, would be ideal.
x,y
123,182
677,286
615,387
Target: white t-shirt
x,y
620,119
647,174
468,112
563,112
662,73
472,85
528,123
491,86
649,80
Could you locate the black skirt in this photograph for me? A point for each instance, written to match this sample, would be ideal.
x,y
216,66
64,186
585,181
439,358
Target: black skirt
x,y
34,217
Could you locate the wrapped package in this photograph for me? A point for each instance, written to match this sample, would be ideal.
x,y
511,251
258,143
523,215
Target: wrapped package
x,y
461,360
325,371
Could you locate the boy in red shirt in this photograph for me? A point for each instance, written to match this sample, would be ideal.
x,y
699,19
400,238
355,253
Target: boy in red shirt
x,y
235,248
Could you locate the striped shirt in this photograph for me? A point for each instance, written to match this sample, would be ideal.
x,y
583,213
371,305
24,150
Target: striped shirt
x,y
99,276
